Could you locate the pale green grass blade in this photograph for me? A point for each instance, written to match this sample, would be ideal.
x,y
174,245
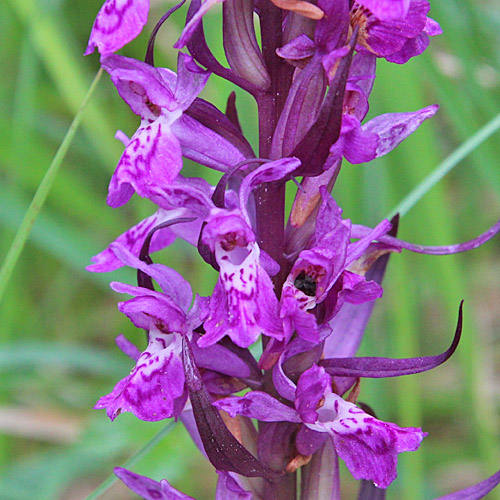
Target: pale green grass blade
x,y
41,194
55,50
131,461
446,166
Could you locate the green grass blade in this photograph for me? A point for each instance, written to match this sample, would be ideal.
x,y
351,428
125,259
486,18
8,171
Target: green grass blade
x,y
131,461
446,166
41,194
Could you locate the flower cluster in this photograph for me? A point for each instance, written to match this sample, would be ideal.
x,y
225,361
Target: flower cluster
x,y
304,287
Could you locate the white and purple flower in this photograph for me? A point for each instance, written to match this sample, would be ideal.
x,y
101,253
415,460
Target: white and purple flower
x,y
368,446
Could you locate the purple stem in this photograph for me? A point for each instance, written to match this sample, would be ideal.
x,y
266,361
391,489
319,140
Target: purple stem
x,y
270,197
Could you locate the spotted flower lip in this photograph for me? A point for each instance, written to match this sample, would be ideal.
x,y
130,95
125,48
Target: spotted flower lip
x,y
243,304
117,23
153,157
368,446
155,388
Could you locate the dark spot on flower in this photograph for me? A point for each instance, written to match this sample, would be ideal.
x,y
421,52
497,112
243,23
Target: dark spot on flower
x,y
153,107
154,493
230,241
305,284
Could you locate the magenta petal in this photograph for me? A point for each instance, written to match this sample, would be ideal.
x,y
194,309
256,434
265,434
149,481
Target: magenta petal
x,y
394,128
154,310
269,172
360,146
311,388
308,441
152,157
355,143
127,347
243,304
368,446
216,357
299,48
143,87
413,47
117,23
203,145
432,27
132,240
148,488
157,380
170,281
387,9
356,290
370,449
191,79
259,405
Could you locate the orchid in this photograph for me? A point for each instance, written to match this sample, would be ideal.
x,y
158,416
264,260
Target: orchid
x,y
303,286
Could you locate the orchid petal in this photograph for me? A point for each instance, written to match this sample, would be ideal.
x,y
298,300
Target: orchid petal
x,y
148,488
259,405
133,239
153,155
117,23
160,367
387,9
394,128
128,347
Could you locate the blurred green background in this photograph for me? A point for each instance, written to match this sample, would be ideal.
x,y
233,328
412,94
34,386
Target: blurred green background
x,y
58,322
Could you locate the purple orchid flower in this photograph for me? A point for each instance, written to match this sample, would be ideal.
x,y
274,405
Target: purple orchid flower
x,y
153,157
184,198
228,487
305,287
321,273
377,137
368,446
167,318
396,38
117,23
243,304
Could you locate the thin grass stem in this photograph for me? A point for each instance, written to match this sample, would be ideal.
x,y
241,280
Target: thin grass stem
x,y
446,166
41,194
131,461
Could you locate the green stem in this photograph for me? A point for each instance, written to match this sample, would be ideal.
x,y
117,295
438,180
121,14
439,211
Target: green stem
x,y
131,461
41,194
